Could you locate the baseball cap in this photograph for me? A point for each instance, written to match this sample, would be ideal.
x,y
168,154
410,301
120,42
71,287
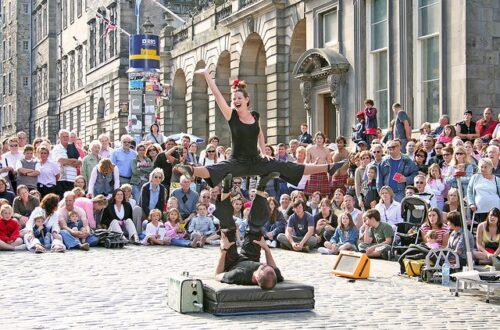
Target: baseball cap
x,y
360,114
362,142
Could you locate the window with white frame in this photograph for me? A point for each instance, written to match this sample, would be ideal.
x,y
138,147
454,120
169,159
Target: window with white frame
x,y
329,28
378,81
428,55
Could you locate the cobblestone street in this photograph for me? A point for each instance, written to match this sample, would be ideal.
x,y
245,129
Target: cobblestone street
x,y
125,289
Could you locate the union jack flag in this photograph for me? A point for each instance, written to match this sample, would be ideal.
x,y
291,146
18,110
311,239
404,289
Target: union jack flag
x,y
109,26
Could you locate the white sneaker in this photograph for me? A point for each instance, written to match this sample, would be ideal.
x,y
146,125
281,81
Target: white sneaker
x,y
215,242
324,250
21,247
268,242
273,244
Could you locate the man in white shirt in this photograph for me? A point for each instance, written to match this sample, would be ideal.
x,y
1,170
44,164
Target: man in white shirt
x,y
10,159
68,165
106,149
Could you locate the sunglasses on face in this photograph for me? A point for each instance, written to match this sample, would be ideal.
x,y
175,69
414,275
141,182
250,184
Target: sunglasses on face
x,y
210,151
238,183
459,153
420,156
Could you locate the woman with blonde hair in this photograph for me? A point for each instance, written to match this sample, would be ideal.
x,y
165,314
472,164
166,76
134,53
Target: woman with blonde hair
x,y
461,165
104,179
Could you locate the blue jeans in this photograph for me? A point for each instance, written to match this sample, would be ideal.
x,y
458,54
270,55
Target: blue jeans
x,y
136,192
180,242
72,242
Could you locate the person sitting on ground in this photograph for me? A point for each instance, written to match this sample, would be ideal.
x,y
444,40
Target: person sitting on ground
x,y
10,239
457,241
388,208
41,233
176,231
299,235
155,233
488,239
75,236
378,236
244,268
325,221
117,216
203,226
275,225
345,237
23,205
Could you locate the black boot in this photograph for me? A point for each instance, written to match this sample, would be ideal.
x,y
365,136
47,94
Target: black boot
x,y
264,179
258,215
224,212
227,184
335,167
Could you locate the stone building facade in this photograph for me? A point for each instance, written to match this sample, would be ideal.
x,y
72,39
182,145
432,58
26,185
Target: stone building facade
x,y
316,61
15,68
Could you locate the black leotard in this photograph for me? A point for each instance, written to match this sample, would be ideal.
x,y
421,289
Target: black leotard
x,y
244,137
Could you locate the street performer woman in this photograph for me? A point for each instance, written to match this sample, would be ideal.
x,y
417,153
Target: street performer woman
x,y
248,144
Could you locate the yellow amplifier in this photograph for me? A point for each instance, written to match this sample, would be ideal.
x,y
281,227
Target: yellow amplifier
x,y
352,264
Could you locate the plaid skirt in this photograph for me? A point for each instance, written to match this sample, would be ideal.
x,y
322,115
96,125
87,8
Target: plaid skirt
x,y
339,181
317,182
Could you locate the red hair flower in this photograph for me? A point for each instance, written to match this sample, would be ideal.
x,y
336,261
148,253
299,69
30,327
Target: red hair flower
x,y
236,83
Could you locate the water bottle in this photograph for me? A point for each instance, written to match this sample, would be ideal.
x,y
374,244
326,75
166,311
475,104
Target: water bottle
x,y
445,279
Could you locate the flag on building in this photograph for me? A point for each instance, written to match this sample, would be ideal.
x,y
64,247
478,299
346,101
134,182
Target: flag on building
x,y
137,7
109,26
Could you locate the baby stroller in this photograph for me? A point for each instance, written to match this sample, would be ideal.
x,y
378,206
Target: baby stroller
x,y
414,212
110,239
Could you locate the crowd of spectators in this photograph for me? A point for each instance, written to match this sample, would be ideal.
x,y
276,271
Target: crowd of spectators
x,y
54,195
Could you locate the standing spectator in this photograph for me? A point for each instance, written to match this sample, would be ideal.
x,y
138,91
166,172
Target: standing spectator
x,y
371,124
91,160
192,156
377,238
67,158
304,138
9,160
293,145
299,235
402,127
483,192
154,134
141,167
318,154
436,185
486,125
22,138
23,205
341,153
77,144
187,199
365,158
410,148
428,146
444,120
358,131
26,169
122,158
165,162
152,151
396,170
49,172
466,129
106,149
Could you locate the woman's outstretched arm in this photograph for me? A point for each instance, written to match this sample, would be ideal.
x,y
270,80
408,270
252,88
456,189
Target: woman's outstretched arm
x,y
221,102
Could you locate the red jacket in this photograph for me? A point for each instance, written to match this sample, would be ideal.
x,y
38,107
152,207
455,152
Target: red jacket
x,y
9,230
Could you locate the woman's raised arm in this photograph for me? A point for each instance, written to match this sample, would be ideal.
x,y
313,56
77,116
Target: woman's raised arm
x,y
221,102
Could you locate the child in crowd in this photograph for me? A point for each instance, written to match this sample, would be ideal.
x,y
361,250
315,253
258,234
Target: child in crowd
x,y
425,130
358,131
176,231
10,239
447,135
371,124
369,189
431,240
155,231
436,184
203,225
345,237
75,223
40,231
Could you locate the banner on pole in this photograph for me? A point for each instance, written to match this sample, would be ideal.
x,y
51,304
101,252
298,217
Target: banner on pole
x,y
144,52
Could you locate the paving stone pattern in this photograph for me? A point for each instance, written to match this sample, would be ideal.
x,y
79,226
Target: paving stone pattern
x,y
127,289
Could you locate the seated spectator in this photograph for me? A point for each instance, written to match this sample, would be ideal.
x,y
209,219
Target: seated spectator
x,y
155,233
275,225
205,200
4,193
421,160
10,239
80,182
389,210
488,239
49,172
176,231
23,205
337,201
99,203
75,235
203,226
299,235
369,193
117,216
435,223
356,214
104,179
423,191
26,169
325,221
461,164
457,237
127,190
186,198
153,195
378,236
436,185
284,205
313,202
47,210
447,134
345,237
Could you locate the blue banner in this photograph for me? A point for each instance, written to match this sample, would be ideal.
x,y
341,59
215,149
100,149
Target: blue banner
x,y
144,52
